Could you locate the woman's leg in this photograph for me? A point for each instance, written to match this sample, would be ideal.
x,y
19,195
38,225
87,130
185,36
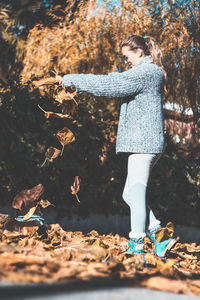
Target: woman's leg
x,y
134,194
153,222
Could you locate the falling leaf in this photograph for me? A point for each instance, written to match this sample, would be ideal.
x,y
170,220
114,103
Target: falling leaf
x,y
27,197
164,233
63,95
49,114
45,203
75,187
56,115
51,154
30,213
65,137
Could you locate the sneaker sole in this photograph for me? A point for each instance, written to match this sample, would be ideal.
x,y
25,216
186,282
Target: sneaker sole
x,y
169,246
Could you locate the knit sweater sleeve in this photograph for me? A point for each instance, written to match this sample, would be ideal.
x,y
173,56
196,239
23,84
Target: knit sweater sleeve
x,y
114,84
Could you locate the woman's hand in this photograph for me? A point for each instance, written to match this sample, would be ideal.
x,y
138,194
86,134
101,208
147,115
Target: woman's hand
x,y
61,83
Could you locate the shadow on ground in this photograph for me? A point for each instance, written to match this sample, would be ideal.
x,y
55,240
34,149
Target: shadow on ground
x,y
97,288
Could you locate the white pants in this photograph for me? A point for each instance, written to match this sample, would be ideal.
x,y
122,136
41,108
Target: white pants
x,y
134,194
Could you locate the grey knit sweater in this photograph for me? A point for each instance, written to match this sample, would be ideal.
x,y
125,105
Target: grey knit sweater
x,y
140,128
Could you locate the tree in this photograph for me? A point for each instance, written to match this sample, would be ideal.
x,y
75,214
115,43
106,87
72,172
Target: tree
x,y
81,38
18,17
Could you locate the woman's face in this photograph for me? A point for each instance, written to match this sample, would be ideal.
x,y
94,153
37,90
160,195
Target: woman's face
x,y
131,57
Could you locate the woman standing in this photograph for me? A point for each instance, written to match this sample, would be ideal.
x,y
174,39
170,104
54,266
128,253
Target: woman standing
x,y
140,130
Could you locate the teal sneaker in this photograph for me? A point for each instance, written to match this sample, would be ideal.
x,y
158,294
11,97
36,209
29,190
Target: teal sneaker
x,y
161,247
136,246
152,231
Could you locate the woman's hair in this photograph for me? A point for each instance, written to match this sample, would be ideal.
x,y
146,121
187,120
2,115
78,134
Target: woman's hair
x,y
149,46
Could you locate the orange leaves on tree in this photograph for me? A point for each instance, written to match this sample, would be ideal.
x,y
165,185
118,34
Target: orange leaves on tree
x,y
104,32
65,137
99,39
75,187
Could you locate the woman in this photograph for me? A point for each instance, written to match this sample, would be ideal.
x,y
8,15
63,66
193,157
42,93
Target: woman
x,y
140,130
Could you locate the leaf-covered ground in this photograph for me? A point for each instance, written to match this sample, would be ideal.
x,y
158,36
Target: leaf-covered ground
x,y
64,256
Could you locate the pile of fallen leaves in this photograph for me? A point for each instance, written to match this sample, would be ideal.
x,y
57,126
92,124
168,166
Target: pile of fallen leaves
x,y
53,255
26,256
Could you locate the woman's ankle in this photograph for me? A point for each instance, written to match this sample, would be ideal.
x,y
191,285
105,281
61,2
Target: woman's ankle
x,y
135,235
154,225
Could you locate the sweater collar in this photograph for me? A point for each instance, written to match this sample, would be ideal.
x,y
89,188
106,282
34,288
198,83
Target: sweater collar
x,y
146,59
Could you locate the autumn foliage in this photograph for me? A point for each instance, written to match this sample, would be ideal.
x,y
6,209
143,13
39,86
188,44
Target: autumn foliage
x,y
36,253
66,256
51,135
66,141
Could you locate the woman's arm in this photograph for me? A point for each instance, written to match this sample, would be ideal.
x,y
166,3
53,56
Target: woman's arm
x,y
112,85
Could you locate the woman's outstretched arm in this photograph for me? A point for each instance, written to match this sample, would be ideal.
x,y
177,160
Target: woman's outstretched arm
x,y
112,85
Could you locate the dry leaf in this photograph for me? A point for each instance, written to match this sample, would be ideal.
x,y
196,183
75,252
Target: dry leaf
x,y
97,243
49,114
3,218
30,213
65,255
51,154
24,198
164,233
56,115
63,95
165,284
47,81
151,259
75,187
28,231
11,234
25,257
65,137
45,203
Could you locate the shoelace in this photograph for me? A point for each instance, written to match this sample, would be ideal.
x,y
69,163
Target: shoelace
x,y
32,218
137,241
154,229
